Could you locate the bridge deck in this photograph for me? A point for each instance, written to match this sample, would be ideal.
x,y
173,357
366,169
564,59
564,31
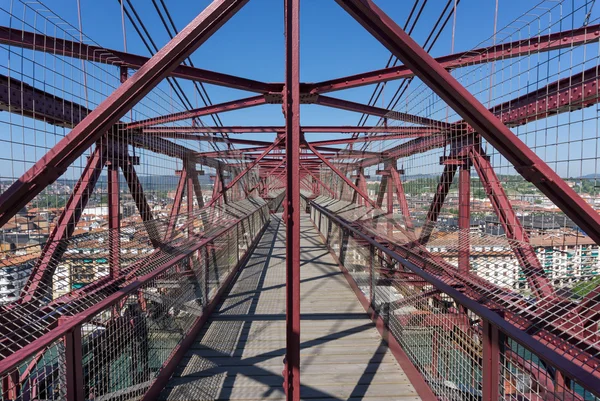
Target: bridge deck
x,y
239,354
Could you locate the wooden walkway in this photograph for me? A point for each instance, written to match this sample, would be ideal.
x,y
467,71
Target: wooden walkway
x,y
239,354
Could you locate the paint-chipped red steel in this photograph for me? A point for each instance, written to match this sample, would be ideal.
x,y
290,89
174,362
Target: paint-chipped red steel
x,y
523,47
291,218
551,352
525,161
101,119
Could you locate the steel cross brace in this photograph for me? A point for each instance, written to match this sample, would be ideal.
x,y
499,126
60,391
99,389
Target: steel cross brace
x,y
516,235
102,118
438,202
404,209
268,150
291,216
342,176
39,282
179,193
318,180
527,163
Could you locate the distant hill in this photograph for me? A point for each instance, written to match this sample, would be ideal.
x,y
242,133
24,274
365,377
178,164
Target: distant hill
x,y
149,182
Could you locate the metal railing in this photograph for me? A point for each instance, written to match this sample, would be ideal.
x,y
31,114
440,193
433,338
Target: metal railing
x,y
465,348
126,345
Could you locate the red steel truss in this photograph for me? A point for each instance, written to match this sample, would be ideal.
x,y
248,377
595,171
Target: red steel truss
x,y
186,242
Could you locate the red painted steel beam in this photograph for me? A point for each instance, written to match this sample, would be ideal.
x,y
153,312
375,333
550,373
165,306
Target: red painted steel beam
x,y
39,282
237,104
267,174
412,147
400,194
189,196
291,218
214,139
342,129
103,117
564,95
179,193
504,51
345,152
526,162
464,218
571,93
62,47
516,235
438,202
196,185
48,108
57,111
382,190
137,193
378,111
114,220
375,138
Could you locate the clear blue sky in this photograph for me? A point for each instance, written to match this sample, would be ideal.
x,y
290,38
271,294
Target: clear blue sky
x,y
251,44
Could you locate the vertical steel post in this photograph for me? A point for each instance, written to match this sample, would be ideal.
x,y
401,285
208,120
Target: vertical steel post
x,y
74,365
292,218
491,362
401,195
114,219
191,173
382,189
40,278
372,276
10,386
174,215
464,217
390,202
438,202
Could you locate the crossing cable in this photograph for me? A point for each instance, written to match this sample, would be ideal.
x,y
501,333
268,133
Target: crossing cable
x,y
153,48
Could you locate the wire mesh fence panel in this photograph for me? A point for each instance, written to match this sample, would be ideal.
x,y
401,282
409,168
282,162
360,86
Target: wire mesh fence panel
x,y
447,340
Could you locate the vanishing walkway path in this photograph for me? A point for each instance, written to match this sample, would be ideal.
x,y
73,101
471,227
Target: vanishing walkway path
x,y
239,353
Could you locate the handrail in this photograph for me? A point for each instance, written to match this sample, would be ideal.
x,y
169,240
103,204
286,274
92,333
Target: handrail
x,y
574,371
74,323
